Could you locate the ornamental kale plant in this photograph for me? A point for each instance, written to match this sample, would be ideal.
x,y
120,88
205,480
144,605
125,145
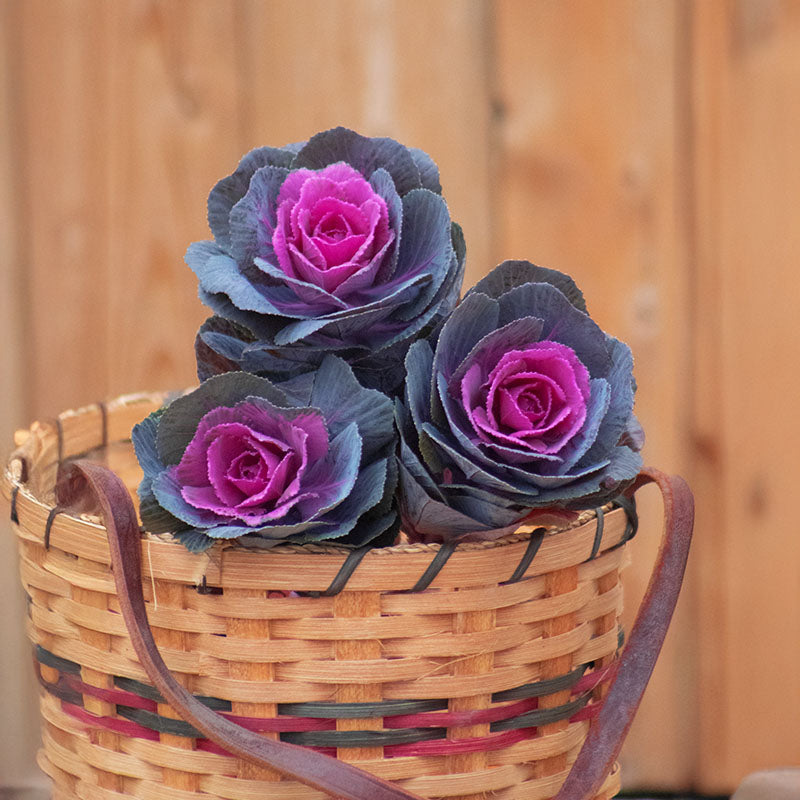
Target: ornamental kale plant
x,y
522,405
342,244
241,458
333,275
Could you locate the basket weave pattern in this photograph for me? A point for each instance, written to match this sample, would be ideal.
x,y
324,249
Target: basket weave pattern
x,y
475,687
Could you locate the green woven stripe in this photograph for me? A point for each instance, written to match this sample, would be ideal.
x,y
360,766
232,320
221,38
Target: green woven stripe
x,y
541,688
14,516
385,708
541,716
176,727
628,505
61,691
434,568
364,738
135,687
56,662
345,572
151,693
534,543
155,722
598,533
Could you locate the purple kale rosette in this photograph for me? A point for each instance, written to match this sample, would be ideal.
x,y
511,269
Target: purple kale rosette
x,y
342,244
241,458
522,405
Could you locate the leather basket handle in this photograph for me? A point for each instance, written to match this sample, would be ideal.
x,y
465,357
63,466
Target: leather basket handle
x,y
605,738
80,479
322,772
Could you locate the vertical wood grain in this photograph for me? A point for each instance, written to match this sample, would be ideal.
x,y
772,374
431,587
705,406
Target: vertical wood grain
x,y
710,78
106,739
252,671
591,183
415,70
358,605
174,110
62,147
747,74
16,752
477,664
124,108
647,148
172,595
557,582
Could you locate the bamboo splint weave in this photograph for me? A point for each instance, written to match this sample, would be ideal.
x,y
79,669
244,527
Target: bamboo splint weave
x,y
466,672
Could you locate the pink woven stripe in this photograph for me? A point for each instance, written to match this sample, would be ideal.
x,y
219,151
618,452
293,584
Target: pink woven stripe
x,y
587,712
131,700
207,746
123,726
594,679
282,724
116,696
430,719
450,719
494,741
211,747
448,747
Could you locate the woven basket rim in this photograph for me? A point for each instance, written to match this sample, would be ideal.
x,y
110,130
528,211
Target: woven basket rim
x,y
12,478
30,477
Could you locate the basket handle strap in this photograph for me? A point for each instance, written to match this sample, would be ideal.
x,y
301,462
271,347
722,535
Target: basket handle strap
x,y
339,779
605,738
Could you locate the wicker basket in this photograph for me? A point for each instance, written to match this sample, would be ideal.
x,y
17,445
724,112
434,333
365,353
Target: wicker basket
x,y
464,674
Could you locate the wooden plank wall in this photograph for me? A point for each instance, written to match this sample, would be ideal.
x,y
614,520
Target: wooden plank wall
x,y
18,702
746,247
592,183
648,148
